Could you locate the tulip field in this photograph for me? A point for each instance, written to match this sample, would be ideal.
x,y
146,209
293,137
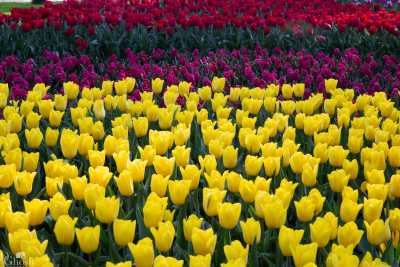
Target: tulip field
x,y
200,134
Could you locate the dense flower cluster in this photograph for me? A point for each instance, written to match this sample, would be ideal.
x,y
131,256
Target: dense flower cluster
x,y
247,176
163,15
239,67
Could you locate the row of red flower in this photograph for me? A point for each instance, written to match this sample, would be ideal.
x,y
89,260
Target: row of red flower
x,y
167,14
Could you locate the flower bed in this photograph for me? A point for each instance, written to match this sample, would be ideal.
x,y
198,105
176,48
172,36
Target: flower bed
x,y
254,176
245,67
101,28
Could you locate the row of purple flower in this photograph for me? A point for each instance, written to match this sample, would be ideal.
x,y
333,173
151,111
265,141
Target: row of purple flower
x,y
255,67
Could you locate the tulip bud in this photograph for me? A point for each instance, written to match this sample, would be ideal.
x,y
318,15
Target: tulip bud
x,y
143,252
203,241
349,234
289,238
163,235
88,238
189,224
64,230
124,231
107,209
251,231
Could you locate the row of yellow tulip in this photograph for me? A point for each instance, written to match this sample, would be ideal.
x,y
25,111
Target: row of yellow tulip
x,y
291,175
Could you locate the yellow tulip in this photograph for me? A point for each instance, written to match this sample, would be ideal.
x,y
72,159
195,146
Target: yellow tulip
x,y
23,182
159,184
53,185
30,161
351,168
64,230
336,155
378,191
375,176
372,209
71,90
208,163
100,175
154,209
236,251
393,158
92,193
33,248
320,232
252,165
192,174
218,84
189,224
51,137
7,174
298,89
98,131
233,181
124,231
340,255
287,91
163,235
37,210
181,155
309,174
5,207
60,102
338,179
15,238
394,219
349,234
304,254
55,118
157,85
78,186
247,190
205,93
305,209
178,191
161,261
330,85
378,232
32,120
349,210
147,154
142,252
274,213
16,220
229,214
239,262
58,205
120,264
251,231
69,143
200,261
321,151
107,209
215,180
14,123
164,165
317,199
272,166
88,238
124,183
289,238
33,137
203,241
212,198
121,160
110,145
369,261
